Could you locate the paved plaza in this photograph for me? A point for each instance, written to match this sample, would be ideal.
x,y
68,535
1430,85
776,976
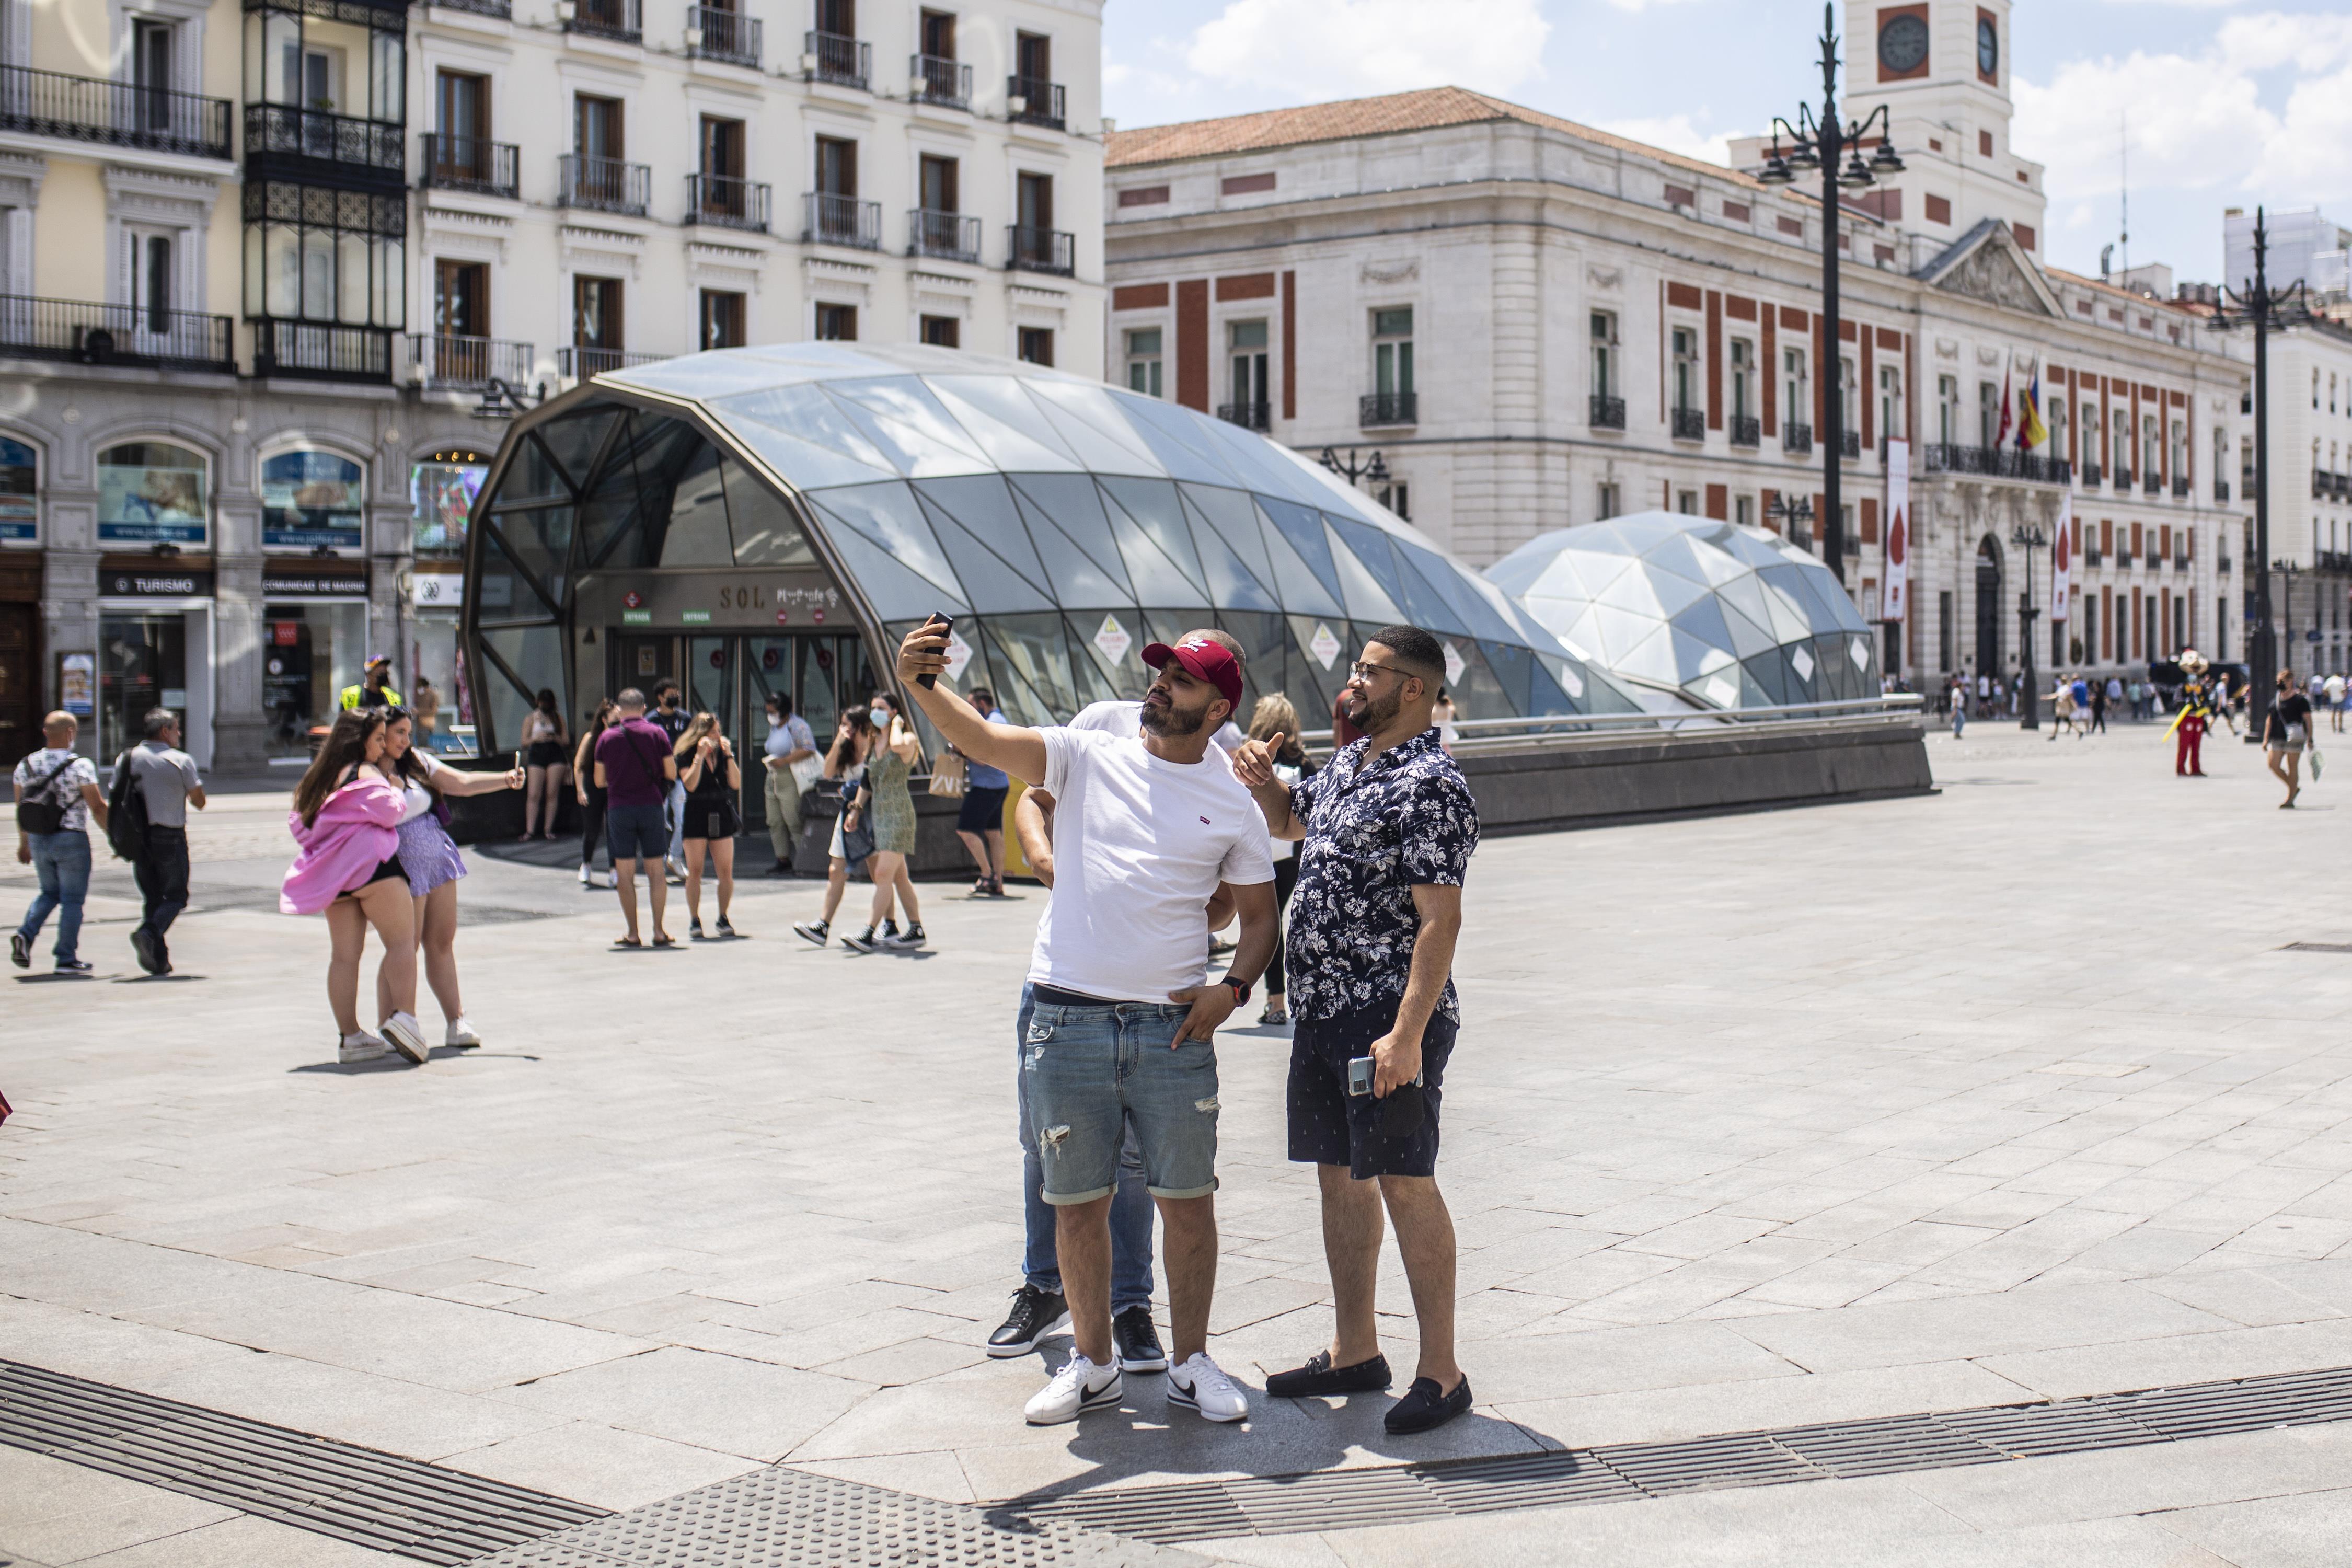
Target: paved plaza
x,y
2011,1093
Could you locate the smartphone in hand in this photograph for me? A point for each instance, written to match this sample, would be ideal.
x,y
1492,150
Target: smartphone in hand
x,y
946,623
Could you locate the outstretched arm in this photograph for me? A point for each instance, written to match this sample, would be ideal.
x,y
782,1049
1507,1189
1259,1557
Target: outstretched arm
x,y
1019,750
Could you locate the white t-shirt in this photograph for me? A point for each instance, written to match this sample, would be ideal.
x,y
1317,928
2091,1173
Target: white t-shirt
x,y
1139,846
1127,719
2335,689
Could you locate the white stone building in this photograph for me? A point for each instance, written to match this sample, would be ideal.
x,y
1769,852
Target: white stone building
x,y
1535,324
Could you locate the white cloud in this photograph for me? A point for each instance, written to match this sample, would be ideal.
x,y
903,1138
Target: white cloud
x,y
1306,49
1638,6
1675,133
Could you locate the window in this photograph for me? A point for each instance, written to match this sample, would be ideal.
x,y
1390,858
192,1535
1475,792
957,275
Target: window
x,y
2057,423
943,331
1685,349
1392,351
1605,503
941,190
939,33
460,151
2179,451
723,147
596,318
151,63
1743,510
151,493
1397,499
1849,398
838,17
1604,354
1037,345
599,127
1743,379
1796,402
1947,410
1143,362
1247,344
1687,502
2123,443
1890,403
836,323
2149,451
1987,414
1036,201
311,499
722,320
150,260
325,255
836,166
1034,58
461,298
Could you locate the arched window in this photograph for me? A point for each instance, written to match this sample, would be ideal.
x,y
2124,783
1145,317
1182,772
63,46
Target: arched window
x,y
153,492
311,499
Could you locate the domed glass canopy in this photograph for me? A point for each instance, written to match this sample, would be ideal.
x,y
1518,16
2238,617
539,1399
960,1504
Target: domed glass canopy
x,y
1064,523
1697,609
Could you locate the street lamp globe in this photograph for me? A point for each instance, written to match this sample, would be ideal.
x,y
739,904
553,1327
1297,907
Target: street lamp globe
x,y
1885,161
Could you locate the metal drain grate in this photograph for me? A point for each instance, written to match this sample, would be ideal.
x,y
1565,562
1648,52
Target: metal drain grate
x,y
1336,1500
778,1518
354,1494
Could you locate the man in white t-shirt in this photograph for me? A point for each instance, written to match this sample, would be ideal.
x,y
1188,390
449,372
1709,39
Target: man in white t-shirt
x,y
1123,1024
2336,704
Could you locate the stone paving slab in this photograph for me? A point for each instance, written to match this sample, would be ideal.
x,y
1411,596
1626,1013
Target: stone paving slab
x,y
2006,1092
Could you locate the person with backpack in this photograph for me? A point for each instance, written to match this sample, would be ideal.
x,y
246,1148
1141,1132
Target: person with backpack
x,y
154,835
636,770
57,792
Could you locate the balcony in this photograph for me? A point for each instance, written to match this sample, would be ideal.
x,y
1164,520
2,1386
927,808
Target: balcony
x,y
112,113
2323,485
1377,409
2093,556
1690,425
1032,101
311,144
581,361
315,351
1849,444
2122,559
730,37
74,333
1747,430
603,184
620,20
1040,250
466,365
1996,463
1796,439
2222,565
1248,416
2334,561
829,219
726,200
2222,493
501,9
2123,481
2152,483
946,83
2179,487
2090,476
846,62
947,236
1608,413
470,163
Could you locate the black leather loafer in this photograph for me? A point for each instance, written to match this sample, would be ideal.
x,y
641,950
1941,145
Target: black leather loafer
x,y
1423,1408
1319,1377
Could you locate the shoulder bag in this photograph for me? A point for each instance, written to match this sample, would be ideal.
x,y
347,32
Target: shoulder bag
x,y
126,813
39,814
947,774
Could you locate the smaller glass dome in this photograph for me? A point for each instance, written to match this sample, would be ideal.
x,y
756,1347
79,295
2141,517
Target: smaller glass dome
x,y
1695,608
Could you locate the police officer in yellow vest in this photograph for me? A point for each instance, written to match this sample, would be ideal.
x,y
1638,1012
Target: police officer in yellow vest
x,y
376,690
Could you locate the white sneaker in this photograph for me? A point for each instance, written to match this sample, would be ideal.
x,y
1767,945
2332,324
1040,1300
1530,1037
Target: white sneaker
x,y
1080,1386
361,1046
587,877
1200,1385
403,1035
460,1034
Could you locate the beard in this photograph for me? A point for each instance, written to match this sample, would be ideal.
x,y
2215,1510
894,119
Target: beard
x,y
1162,717
1372,714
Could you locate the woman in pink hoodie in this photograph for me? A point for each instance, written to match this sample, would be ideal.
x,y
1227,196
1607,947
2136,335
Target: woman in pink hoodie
x,y
345,823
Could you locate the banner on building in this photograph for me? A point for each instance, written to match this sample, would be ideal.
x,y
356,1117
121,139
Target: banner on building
x,y
2062,557
1897,601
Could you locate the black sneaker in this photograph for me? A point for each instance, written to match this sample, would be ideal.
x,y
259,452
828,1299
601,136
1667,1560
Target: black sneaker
x,y
694,928
817,932
864,942
72,966
149,951
1320,1379
914,937
1035,1313
724,928
890,928
20,952
1423,1409
1136,1341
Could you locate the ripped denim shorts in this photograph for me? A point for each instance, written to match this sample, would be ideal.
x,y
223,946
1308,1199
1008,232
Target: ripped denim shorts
x,y
1087,1072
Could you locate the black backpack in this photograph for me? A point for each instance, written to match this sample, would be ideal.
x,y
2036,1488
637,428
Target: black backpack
x,y
36,813
126,813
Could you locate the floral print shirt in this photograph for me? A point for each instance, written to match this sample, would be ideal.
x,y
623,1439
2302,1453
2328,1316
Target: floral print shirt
x,y
1376,825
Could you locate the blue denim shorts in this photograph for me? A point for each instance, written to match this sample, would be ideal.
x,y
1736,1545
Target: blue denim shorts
x,y
1089,1072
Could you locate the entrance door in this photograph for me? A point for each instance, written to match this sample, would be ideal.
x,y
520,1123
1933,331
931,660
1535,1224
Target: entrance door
x,y
142,663
639,661
20,680
1988,609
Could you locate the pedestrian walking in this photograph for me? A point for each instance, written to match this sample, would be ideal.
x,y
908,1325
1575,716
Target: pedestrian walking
x,y
2334,692
427,710
1387,829
1276,722
547,763
884,804
56,793
791,754
671,719
345,823
2099,707
2285,733
714,782
168,783
590,794
636,769
1123,1021
430,858
980,820
2061,707
845,767
1958,695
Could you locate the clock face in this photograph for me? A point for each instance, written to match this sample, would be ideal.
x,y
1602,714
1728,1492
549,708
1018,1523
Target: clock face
x,y
1903,45
1988,46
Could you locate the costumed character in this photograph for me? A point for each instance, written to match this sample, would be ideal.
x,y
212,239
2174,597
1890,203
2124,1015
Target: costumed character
x,y
2196,715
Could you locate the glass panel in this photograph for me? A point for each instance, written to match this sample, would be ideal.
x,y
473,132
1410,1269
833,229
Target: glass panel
x,y
530,476
609,531
535,655
1075,506
909,424
1264,638
989,584
887,517
697,535
352,279
984,507
1077,582
709,683
540,543
1158,579
1031,656
1174,436
1089,423
573,439
1007,425
895,593
838,450
1372,547
392,290
1099,678
1367,600
1514,668
1480,694
1231,584
766,532
1234,517
1300,588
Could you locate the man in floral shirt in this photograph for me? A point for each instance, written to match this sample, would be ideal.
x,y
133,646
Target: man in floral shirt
x,y
1389,829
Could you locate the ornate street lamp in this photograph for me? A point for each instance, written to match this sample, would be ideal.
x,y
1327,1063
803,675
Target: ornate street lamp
x,y
2028,537
1349,470
1792,514
1821,144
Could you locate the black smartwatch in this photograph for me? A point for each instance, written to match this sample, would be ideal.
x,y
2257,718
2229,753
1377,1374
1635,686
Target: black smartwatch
x,y
1241,989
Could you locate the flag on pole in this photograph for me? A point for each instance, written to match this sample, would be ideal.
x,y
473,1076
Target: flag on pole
x,y
2008,410
1898,529
2031,431
2062,558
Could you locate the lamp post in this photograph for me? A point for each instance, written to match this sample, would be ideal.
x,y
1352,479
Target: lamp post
x,y
1820,145
2028,537
1350,470
1791,515
2287,571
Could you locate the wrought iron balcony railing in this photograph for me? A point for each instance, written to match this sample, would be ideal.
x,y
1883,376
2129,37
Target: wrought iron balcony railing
x,y
78,333
2222,565
1039,101
829,57
581,361
501,9
1040,250
2093,556
1690,425
949,236
619,19
2180,487
1995,462
2323,484
1248,416
729,202
2091,475
112,113
1850,443
328,143
605,184
2123,481
2334,559
829,219
2152,483
2222,492
1747,430
1608,413
1375,409
1796,439
947,83
712,33
466,365
470,163
317,351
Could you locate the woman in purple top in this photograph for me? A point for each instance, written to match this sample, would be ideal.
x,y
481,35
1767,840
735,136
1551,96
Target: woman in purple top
x,y
430,858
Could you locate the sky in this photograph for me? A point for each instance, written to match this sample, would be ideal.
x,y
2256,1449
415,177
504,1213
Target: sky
x,y
2208,103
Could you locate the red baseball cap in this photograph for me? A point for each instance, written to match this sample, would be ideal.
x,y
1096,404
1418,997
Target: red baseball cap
x,y
1203,658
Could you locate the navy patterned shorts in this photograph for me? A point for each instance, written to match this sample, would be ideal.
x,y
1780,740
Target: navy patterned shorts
x,y
1330,1127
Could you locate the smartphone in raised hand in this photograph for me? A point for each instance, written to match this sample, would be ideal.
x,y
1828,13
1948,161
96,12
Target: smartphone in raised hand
x,y
946,623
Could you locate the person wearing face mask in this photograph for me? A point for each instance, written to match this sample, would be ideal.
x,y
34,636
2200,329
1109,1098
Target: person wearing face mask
x,y
791,743
844,763
884,802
